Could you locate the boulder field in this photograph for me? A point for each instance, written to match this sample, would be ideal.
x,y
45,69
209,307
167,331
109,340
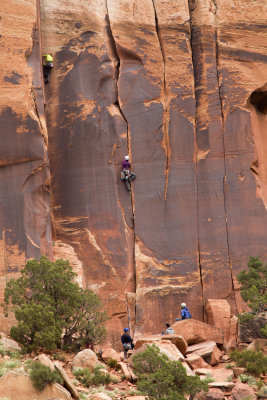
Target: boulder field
x,y
208,359
177,85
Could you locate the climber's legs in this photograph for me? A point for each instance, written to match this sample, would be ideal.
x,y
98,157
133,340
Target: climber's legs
x,y
132,176
47,70
127,183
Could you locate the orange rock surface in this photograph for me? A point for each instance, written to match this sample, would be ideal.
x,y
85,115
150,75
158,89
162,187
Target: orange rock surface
x,y
179,85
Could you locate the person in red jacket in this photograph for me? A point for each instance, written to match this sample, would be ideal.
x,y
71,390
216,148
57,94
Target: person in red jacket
x,y
126,174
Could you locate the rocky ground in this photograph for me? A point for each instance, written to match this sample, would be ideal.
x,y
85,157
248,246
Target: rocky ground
x,y
207,358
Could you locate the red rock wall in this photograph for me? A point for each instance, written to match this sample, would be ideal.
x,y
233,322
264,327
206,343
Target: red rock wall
x,y
24,171
168,83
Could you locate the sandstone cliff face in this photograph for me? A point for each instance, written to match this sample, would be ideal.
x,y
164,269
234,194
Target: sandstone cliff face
x,y
24,173
167,82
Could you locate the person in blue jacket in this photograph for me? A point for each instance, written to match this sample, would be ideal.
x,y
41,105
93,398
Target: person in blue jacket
x,y
185,313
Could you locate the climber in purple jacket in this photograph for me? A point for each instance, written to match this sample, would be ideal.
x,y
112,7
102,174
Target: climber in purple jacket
x,y
126,174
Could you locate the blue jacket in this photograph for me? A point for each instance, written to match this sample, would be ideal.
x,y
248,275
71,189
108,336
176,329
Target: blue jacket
x,y
185,313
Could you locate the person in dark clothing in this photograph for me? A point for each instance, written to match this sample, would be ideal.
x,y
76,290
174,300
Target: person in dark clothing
x,y
126,173
47,66
127,342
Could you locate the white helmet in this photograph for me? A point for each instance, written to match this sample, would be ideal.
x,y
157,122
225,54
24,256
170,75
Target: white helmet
x,y
126,158
183,305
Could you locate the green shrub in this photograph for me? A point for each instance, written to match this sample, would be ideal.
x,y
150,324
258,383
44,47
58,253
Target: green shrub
x,y
88,378
83,396
245,318
134,392
255,362
59,357
229,366
243,378
161,379
13,353
254,283
254,293
51,309
112,363
263,392
209,379
249,397
41,376
260,384
264,331
7,365
99,378
114,379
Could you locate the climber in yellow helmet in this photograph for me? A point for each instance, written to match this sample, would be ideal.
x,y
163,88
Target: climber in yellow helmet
x,y
47,66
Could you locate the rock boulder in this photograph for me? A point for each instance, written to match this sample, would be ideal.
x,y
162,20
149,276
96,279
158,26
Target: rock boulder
x,y
260,344
196,361
177,340
207,350
238,371
167,348
189,371
243,391
100,396
222,374
67,381
215,394
43,359
85,358
136,398
218,313
224,386
125,370
195,331
110,354
18,386
204,348
212,394
9,344
216,356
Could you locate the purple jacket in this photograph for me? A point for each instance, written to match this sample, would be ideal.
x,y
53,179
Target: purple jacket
x,y
125,165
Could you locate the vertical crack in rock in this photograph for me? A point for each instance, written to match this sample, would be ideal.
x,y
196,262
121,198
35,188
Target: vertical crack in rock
x,y
42,128
166,106
34,60
224,156
118,104
198,29
35,105
196,162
